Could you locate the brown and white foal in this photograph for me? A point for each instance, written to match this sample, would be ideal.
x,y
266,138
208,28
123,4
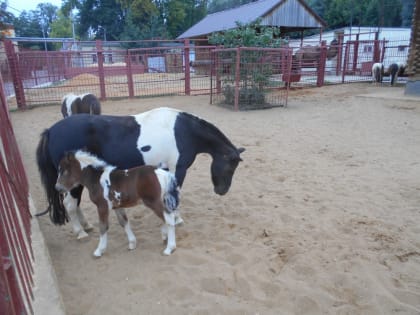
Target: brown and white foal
x,y
110,188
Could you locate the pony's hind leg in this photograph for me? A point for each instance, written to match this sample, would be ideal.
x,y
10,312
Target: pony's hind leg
x,y
70,203
170,222
123,220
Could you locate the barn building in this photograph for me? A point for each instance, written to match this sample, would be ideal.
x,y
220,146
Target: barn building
x,y
287,15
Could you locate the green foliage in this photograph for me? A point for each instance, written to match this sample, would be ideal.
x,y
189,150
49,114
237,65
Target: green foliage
x,y
6,18
385,13
62,28
248,35
254,72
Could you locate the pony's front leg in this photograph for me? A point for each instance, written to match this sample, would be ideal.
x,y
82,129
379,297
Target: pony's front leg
x,y
178,220
85,224
103,229
170,232
70,203
123,220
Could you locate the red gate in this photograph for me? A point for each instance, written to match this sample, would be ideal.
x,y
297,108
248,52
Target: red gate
x,y
16,255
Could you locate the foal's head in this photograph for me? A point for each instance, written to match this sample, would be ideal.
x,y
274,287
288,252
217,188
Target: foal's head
x,y
222,169
69,172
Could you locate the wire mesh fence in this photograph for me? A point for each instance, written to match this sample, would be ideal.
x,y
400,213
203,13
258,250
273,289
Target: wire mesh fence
x,y
120,70
251,78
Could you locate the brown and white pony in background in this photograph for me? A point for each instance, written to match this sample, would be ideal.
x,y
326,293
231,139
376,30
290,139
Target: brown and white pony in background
x,y
310,53
80,104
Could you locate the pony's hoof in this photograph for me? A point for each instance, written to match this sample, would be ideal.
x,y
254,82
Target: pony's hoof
x,y
132,245
168,251
179,221
97,253
81,235
88,227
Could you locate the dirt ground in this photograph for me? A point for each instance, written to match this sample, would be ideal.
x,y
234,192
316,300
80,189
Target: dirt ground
x,y
322,216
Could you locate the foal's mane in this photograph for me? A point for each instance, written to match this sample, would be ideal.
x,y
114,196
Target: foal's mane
x,y
88,159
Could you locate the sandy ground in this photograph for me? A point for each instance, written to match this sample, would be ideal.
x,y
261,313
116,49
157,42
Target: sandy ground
x,y
322,217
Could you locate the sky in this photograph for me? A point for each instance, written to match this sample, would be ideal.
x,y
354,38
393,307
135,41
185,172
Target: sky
x,y
17,6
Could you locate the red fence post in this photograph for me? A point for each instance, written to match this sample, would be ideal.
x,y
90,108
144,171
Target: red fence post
x,y
101,72
339,54
187,67
355,53
16,77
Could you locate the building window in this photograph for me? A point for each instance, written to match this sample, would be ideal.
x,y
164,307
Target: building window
x,y
367,49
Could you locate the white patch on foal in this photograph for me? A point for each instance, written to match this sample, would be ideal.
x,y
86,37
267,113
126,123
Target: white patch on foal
x,y
86,159
105,181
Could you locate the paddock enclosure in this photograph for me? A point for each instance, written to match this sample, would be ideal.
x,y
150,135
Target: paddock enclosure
x,y
237,78
322,216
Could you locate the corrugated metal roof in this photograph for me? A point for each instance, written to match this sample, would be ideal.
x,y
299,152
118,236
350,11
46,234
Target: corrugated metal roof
x,y
224,20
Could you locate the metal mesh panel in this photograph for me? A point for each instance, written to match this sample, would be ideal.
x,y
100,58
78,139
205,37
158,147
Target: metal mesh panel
x,y
251,78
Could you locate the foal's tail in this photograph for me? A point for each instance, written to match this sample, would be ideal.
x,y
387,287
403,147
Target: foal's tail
x,y
170,191
48,174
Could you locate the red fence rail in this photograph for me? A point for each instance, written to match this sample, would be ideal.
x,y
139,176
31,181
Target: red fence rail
x,y
173,68
16,255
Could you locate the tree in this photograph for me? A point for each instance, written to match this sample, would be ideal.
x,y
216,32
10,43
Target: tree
x,y
6,18
255,78
62,26
104,18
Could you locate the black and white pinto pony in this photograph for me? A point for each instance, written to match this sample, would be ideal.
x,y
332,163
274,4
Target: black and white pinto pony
x,y
395,70
110,188
78,104
162,137
377,72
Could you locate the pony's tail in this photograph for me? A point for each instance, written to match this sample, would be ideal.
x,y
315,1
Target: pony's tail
x,y
48,174
170,191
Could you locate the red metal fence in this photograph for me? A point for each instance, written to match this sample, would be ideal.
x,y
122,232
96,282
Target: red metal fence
x,y
178,68
16,255
251,78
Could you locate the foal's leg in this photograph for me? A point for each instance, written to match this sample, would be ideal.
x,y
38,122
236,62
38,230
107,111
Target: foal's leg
x,y
170,230
77,194
123,220
70,203
103,230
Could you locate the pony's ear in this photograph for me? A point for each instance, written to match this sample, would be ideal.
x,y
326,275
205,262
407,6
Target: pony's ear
x,y
240,150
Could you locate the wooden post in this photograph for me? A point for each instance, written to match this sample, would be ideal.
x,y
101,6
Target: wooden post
x,y
101,72
321,65
129,75
237,77
187,72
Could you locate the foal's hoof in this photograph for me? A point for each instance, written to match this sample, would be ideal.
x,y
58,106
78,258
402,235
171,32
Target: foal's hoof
x,y
132,245
88,227
81,235
179,221
168,251
97,253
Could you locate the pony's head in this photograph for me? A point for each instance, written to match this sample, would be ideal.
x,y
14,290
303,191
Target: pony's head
x,y
222,169
69,173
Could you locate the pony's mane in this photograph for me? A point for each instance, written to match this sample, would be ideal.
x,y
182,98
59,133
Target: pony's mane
x,y
88,159
210,128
